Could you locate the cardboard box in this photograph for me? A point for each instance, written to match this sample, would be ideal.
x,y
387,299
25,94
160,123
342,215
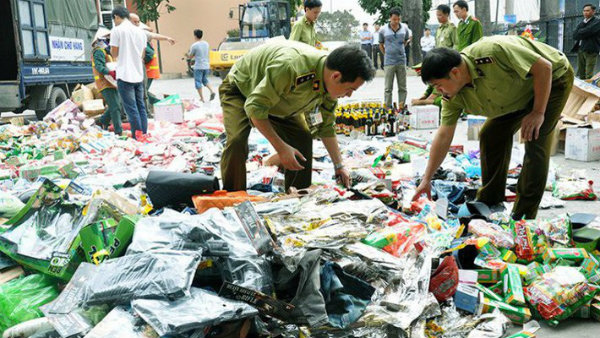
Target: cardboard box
x,y
519,315
93,108
487,276
582,144
513,288
170,109
81,94
574,254
467,298
95,91
474,124
425,117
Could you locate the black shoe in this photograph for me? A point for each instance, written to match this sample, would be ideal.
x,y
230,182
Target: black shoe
x,y
212,96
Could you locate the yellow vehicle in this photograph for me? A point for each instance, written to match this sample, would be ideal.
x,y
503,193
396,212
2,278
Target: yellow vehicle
x,y
259,21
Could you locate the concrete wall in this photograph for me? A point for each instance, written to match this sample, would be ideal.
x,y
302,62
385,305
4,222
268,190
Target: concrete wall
x,y
212,16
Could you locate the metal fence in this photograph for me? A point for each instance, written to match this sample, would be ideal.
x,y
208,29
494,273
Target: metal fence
x,y
557,31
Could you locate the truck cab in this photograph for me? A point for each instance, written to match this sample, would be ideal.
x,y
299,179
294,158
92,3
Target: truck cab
x,y
46,52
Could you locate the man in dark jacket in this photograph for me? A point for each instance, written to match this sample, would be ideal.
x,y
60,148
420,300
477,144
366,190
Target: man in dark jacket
x,y
587,36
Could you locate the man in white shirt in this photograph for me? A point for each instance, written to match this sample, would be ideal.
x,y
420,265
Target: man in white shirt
x,y
366,39
427,42
377,54
127,44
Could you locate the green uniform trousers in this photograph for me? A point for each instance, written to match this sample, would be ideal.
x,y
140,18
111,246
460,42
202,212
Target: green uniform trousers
x,y
113,111
293,131
586,62
496,139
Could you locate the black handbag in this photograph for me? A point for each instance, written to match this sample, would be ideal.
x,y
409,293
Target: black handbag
x,y
166,188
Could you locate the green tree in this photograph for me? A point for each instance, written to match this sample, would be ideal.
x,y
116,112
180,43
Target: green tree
x,y
383,7
294,7
336,26
148,10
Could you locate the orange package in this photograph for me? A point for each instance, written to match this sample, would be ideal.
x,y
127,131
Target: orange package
x,y
221,199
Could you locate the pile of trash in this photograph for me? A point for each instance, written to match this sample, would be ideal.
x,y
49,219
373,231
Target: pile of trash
x,y
103,235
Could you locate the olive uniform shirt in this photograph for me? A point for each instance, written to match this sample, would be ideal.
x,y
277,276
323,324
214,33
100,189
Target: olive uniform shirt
x,y
284,79
501,82
304,31
469,31
445,36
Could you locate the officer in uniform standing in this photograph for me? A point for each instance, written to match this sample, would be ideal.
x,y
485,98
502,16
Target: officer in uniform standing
x,y
470,29
445,36
514,82
304,29
280,88
100,57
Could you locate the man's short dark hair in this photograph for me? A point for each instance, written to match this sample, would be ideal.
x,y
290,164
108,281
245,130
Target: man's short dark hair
x,y
198,33
461,4
427,29
352,62
365,24
395,11
121,12
312,4
444,9
438,63
590,5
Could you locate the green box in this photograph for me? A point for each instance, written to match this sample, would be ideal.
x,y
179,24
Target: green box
x,y
106,238
573,254
487,276
513,287
519,315
488,293
498,288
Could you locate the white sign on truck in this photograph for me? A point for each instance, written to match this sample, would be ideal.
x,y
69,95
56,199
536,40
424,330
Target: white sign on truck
x,y
67,49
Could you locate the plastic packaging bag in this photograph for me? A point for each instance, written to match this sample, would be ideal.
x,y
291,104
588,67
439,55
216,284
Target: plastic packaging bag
x,y
123,324
160,275
202,309
556,295
498,236
10,205
21,298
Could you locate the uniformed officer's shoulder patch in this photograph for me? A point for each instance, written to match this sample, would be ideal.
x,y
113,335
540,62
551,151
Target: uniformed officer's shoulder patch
x,y
474,18
305,78
316,85
484,60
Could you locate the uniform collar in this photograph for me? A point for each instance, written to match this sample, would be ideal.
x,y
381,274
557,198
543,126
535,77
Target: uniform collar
x,y
307,22
466,21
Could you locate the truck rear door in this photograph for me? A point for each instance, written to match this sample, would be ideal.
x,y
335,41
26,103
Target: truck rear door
x,y
9,60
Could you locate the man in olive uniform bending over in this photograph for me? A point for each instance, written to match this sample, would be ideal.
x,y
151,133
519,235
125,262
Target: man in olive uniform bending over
x,y
514,82
285,89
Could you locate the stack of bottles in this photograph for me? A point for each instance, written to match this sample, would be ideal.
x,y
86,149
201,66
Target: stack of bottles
x,y
371,119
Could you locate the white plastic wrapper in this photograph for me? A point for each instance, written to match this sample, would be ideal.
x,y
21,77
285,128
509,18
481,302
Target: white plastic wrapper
x,y
202,309
158,275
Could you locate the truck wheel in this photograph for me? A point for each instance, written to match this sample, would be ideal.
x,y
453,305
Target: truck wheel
x,y
57,96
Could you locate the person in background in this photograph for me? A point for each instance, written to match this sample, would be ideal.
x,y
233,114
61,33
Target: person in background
x,y
304,29
427,42
100,57
127,44
516,83
151,58
445,36
470,29
392,39
377,54
366,39
587,44
199,51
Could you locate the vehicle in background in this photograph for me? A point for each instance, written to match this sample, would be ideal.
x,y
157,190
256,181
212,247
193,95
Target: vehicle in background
x,y
258,22
46,51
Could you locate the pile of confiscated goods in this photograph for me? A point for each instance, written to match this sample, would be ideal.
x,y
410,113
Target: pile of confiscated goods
x,y
106,236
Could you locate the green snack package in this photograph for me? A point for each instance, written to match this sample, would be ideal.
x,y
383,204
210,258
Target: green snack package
x,y
21,298
513,288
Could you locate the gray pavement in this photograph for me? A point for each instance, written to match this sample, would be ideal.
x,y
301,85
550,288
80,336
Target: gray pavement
x,y
574,328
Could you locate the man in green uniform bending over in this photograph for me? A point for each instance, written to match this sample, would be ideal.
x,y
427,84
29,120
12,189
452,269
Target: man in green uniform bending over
x,y
470,29
304,29
514,82
284,89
